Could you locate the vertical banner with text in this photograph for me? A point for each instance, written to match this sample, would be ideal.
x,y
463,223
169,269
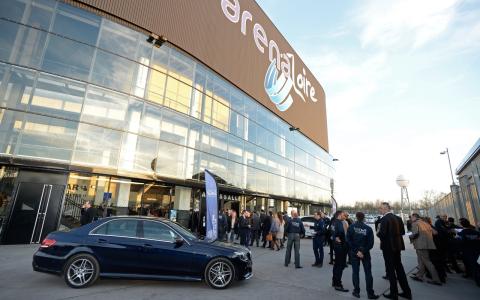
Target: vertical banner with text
x,y
211,192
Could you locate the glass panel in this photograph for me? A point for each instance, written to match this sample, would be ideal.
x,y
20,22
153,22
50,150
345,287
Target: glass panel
x,y
177,95
170,161
113,71
207,109
236,176
144,51
236,100
181,67
12,9
250,108
134,115
57,96
97,146
156,86
140,80
69,58
80,189
174,128
11,124
249,154
200,77
40,14
196,105
160,58
220,115
192,164
195,134
235,149
137,153
118,39
105,108
300,157
157,231
77,24
16,87
218,143
251,130
7,183
124,198
262,181
151,121
251,179
47,137
20,44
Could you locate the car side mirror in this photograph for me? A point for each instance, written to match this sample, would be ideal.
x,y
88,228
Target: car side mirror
x,y
179,241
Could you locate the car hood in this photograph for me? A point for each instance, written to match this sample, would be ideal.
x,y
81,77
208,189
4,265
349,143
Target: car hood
x,y
221,245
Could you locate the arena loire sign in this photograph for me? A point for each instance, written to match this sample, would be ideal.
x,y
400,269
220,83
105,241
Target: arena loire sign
x,y
277,87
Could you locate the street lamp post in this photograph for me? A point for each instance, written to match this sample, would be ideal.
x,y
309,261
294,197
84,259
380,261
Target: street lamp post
x,y
449,163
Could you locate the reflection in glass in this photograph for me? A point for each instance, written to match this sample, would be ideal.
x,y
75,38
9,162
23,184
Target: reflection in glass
x,y
77,24
68,58
177,95
20,44
156,86
11,124
105,108
113,71
58,97
137,153
16,87
174,128
118,39
151,121
170,160
134,115
97,146
47,137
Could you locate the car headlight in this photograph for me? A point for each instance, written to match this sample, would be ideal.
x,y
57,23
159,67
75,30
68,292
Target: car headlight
x,y
242,255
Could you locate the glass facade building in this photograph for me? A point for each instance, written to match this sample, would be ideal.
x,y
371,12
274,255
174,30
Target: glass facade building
x,y
129,122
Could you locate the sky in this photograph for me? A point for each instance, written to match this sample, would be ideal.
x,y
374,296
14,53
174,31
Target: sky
x,y
402,83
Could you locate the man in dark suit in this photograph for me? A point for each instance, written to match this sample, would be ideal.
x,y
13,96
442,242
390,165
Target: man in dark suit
x,y
88,213
391,233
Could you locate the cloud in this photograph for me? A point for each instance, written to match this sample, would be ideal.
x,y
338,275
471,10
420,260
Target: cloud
x,y
407,23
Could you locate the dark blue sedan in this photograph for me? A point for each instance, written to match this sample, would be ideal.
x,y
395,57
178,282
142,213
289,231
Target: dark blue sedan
x,y
140,248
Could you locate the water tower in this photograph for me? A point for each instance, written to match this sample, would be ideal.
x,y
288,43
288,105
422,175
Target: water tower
x,y
403,182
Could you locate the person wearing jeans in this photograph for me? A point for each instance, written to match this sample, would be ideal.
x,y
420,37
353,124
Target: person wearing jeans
x,y
294,229
360,241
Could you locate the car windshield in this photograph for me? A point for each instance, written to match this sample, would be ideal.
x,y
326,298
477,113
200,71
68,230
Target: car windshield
x,y
183,231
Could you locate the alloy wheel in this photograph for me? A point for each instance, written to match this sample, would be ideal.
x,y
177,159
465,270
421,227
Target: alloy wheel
x,y
80,272
220,274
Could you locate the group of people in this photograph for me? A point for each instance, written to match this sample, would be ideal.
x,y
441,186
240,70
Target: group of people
x,y
438,245
253,227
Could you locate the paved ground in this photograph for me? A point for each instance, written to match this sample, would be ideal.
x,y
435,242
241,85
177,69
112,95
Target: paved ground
x,y
271,281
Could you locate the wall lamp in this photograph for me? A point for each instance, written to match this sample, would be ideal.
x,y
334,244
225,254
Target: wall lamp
x,y
294,128
156,40
335,159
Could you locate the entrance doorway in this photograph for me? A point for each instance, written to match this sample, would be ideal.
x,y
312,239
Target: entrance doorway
x,y
36,208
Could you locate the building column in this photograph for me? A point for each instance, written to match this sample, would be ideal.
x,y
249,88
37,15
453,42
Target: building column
x,y
183,197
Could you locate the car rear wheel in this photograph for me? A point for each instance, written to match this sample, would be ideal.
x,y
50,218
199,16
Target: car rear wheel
x,y
219,273
81,271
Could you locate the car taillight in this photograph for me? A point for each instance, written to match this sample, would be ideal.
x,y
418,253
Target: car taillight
x,y
48,243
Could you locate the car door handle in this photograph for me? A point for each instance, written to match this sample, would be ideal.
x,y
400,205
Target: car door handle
x,y
148,245
101,241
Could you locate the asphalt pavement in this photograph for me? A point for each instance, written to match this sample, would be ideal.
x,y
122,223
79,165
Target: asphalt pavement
x,y
271,280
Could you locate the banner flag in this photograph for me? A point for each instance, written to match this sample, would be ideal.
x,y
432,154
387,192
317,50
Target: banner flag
x,y
211,191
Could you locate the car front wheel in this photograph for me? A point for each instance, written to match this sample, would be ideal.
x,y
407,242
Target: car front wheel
x,y
219,273
81,271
